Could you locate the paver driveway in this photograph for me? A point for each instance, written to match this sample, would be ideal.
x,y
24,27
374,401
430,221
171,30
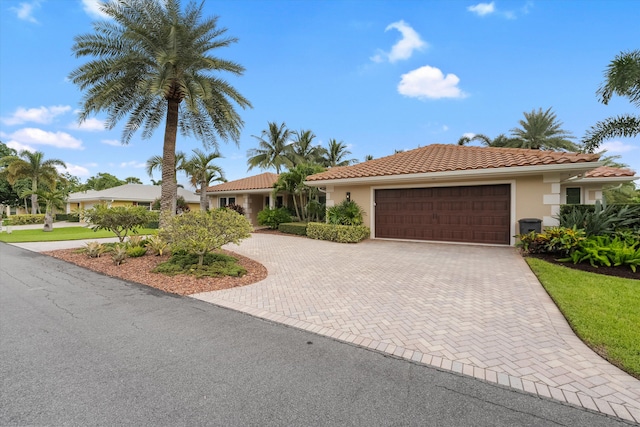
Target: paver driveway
x,y
474,310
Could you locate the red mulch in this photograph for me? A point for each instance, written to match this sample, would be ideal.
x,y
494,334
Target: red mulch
x,y
623,271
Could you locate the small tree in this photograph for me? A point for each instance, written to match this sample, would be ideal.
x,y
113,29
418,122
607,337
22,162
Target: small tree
x,y
201,232
121,220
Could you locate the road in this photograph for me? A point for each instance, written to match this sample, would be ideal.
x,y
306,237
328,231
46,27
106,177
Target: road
x,y
79,348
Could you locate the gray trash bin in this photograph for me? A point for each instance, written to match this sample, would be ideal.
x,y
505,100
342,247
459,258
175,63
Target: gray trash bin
x,y
527,225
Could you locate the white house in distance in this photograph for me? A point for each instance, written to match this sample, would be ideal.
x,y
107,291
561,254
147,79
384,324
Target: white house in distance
x,y
126,195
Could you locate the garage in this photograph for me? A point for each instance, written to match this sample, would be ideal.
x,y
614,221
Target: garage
x,y
470,214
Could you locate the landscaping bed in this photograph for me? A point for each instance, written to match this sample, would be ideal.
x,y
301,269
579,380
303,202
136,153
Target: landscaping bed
x,y
138,270
620,271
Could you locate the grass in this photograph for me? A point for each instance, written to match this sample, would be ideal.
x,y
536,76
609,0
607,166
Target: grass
x,y
59,234
604,311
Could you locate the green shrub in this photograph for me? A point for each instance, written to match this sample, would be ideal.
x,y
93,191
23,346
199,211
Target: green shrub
x,y
601,218
119,253
214,265
299,228
347,212
25,219
121,220
554,240
606,251
272,218
337,233
136,251
136,241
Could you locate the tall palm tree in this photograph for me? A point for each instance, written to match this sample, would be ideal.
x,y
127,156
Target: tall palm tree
x,y
336,153
54,197
202,172
273,148
34,167
302,149
153,64
622,78
541,130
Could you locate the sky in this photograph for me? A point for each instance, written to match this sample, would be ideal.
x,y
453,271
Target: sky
x,y
378,75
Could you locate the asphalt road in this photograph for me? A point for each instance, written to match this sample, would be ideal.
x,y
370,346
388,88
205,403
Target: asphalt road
x,y
79,348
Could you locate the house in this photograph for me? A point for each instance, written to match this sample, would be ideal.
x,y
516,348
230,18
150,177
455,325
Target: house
x,y
126,195
465,194
253,193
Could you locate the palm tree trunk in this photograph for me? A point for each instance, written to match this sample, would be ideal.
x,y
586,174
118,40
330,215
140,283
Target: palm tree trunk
x,y
203,197
34,196
169,189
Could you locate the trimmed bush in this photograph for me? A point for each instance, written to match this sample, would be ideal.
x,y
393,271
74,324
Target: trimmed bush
x,y
299,228
347,212
272,218
337,233
25,219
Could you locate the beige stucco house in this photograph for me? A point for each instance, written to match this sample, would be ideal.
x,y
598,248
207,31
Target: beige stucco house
x,y
126,195
253,193
465,194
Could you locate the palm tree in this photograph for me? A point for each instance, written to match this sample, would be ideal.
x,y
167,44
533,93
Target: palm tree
x,y
54,197
153,64
623,79
302,149
34,167
368,157
202,172
155,164
273,148
541,130
336,153
465,139
499,141
132,180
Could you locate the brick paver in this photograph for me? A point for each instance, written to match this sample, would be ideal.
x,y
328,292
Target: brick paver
x,y
475,310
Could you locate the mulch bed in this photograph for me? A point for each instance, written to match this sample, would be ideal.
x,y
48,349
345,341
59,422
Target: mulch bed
x,y
138,270
621,271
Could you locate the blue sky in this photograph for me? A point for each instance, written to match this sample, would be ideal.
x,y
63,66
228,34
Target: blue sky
x,y
378,75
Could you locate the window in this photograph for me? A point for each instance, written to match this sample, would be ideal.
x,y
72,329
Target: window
x,y
573,196
226,201
279,201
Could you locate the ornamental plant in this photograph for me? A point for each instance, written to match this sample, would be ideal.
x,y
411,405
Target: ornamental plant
x,y
121,220
201,232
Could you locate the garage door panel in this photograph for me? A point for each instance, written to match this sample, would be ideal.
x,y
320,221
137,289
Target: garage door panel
x,y
479,214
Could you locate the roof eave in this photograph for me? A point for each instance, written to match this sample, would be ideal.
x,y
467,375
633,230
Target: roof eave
x,y
573,168
253,191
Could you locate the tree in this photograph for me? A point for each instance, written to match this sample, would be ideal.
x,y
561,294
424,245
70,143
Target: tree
x,y
8,195
336,153
102,181
132,180
201,232
303,150
54,197
155,164
500,141
121,220
541,130
202,172
368,157
273,148
34,167
293,182
152,63
622,78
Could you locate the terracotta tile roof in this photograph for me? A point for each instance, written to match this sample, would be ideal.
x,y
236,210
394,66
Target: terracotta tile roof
x,y
258,182
448,157
609,172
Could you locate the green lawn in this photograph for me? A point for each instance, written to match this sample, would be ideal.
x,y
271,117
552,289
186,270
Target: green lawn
x,y
62,233
603,311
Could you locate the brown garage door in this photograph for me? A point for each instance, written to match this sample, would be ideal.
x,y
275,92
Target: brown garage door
x,y
477,214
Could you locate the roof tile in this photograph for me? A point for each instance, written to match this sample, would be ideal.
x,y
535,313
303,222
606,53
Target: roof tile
x,y
609,172
256,182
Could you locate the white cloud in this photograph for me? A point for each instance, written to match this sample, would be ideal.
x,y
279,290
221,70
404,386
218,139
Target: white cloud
x,y
25,10
89,125
405,47
42,115
133,164
76,170
482,9
19,146
617,147
113,143
92,8
36,136
429,83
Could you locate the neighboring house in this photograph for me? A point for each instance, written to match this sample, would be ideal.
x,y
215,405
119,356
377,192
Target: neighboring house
x,y
253,193
588,188
126,195
464,194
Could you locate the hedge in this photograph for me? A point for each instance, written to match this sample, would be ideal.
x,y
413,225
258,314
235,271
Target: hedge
x,y
337,233
24,219
299,228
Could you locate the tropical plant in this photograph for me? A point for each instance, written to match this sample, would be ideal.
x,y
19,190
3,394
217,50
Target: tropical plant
x,y
604,219
136,251
347,212
201,232
151,63
202,172
273,148
94,249
119,253
33,166
465,139
336,154
132,180
500,141
121,220
102,181
302,149
541,130
293,183
154,164
272,218
54,197
622,78
606,251
157,245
